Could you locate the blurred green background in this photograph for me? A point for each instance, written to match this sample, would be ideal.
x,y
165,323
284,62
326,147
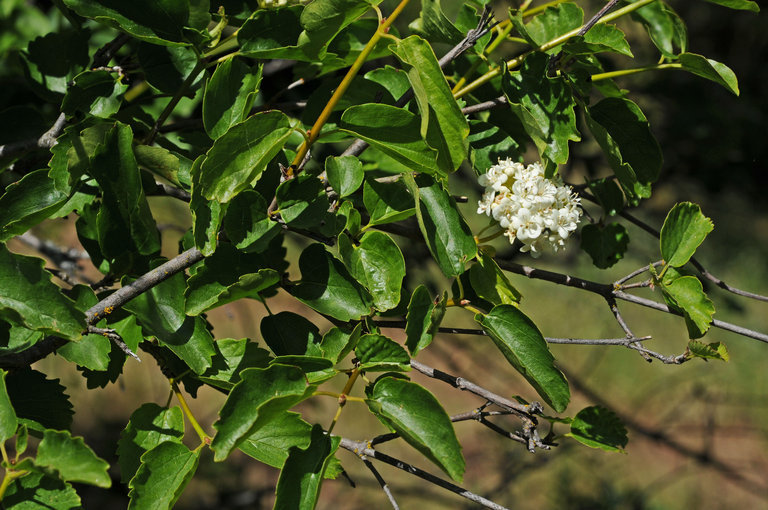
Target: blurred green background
x,y
697,432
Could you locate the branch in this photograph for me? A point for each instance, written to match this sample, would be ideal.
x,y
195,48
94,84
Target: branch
x,y
46,140
382,482
361,449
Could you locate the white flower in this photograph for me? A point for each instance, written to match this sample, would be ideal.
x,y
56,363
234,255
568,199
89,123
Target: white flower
x,y
540,212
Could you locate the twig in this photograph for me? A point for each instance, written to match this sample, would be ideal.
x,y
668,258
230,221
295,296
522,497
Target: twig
x,y
636,272
623,324
487,105
382,482
361,449
104,54
45,141
115,338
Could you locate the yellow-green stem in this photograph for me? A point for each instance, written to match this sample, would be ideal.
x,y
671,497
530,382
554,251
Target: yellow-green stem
x,y
539,8
314,133
226,44
515,62
625,72
205,438
343,396
490,237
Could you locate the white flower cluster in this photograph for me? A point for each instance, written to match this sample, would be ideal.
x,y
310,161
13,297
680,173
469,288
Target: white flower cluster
x,y
540,212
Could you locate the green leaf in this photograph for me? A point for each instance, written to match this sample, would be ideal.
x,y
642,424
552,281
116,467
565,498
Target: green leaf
x,y
28,298
27,202
490,143
664,26
490,283
387,202
148,426
687,295
239,156
154,21
448,236
8,421
159,161
378,353
423,319
327,286
392,79
39,490
605,244
272,33
288,333
743,5
95,92
601,37
711,70
261,395
229,96
684,229
338,342
91,352
378,264
232,357
124,206
299,484
714,350
598,427
165,471
553,22
608,193
544,105
434,25
39,403
324,19
247,223
72,458
207,214
270,444
417,416
160,312
442,124
345,174
302,201
520,341
394,131
622,131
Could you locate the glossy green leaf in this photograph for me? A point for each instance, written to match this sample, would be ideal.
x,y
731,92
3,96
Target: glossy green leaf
x,y
95,92
160,312
232,357
148,426
72,153
664,26
714,350
545,106
553,22
687,295
302,201
489,143
164,472
247,224
622,131
270,444
520,341
8,421
39,490
598,427
229,96
339,341
434,25
394,131
601,37
316,368
27,202
216,285
442,124
608,194
327,286
605,244
238,157
72,458
711,70
743,5
272,33
387,202
392,79
302,476
261,395
448,236
160,162
423,319
207,215
29,298
167,68
124,206
91,352
345,174
417,416
39,403
132,335
490,283
154,21
377,263
684,229
288,333
378,353
324,19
